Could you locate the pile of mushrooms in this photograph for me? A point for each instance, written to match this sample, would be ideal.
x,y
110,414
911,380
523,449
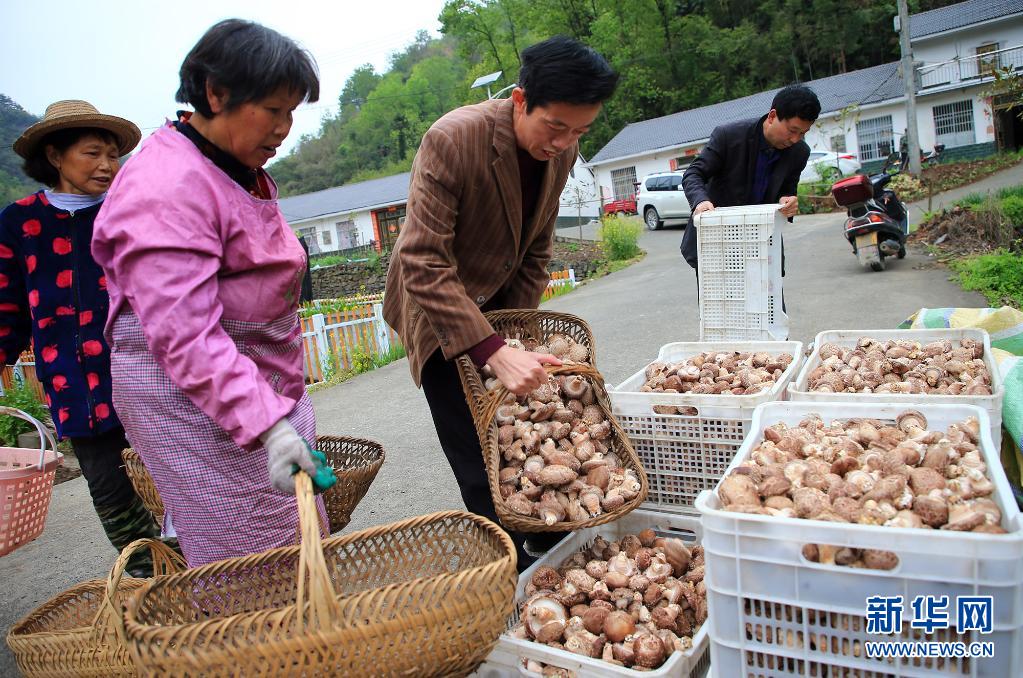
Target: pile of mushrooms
x,y
556,459
561,346
868,472
630,602
714,372
873,366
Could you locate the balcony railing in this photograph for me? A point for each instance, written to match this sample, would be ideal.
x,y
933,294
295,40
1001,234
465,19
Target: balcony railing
x,y
970,69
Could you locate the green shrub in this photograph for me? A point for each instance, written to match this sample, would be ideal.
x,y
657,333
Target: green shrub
x,y
998,276
23,398
1012,208
362,359
333,367
373,262
970,201
813,195
619,238
330,260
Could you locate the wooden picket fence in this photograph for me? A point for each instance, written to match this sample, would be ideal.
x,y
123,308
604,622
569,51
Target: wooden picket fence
x,y
23,371
559,281
333,340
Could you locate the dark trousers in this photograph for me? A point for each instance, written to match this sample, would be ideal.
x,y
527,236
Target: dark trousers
x,y
100,459
123,515
461,445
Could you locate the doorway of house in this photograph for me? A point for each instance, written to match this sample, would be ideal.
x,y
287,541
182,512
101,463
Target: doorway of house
x,y
1009,129
389,222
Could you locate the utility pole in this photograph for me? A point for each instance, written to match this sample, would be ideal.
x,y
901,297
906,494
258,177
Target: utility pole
x,y
909,79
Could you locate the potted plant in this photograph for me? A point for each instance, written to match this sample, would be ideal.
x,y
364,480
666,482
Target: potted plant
x,y
17,432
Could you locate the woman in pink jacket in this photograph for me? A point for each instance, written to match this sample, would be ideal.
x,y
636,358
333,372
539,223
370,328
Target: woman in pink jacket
x,y
204,277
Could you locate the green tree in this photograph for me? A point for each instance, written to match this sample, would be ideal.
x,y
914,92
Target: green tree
x,y
13,121
672,55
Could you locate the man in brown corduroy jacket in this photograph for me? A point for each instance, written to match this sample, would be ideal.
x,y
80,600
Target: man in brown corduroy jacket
x,y
479,231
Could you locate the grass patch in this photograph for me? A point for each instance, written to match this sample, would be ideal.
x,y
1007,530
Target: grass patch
x,y
615,265
997,275
396,352
362,361
977,200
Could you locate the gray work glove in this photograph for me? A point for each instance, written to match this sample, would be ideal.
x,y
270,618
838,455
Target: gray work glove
x,y
284,448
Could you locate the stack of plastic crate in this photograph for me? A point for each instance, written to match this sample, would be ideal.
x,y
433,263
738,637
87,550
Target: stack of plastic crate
x,y
775,613
685,441
739,250
799,389
511,655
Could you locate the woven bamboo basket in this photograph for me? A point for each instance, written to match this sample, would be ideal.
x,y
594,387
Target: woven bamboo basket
x,y
520,324
355,461
618,442
421,597
143,483
76,632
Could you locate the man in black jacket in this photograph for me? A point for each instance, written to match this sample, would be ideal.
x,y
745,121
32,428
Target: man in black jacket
x,y
752,162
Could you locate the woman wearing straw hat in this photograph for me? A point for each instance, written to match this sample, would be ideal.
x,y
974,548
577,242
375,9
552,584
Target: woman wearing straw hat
x,y
53,292
205,277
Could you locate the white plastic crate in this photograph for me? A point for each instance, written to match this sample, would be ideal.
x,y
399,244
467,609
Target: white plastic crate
x,y
510,652
686,454
739,265
992,404
774,613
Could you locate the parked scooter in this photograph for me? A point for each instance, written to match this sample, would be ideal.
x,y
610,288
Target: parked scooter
x,y
927,159
877,223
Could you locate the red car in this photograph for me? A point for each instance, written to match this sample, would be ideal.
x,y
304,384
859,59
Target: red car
x,y
623,206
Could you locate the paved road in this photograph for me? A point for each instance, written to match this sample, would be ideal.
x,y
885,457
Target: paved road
x,y
632,313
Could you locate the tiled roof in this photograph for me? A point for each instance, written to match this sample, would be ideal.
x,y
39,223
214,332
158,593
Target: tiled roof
x,y
347,198
960,15
866,86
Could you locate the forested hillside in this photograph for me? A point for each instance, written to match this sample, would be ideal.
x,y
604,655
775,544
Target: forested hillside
x,y
672,55
13,121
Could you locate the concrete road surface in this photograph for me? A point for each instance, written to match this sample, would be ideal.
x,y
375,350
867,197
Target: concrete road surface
x,y
632,313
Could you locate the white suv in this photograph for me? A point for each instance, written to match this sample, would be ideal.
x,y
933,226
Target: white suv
x,y
660,198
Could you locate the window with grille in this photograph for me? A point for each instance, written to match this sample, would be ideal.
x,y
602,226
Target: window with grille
x,y
623,182
326,237
953,123
838,143
875,137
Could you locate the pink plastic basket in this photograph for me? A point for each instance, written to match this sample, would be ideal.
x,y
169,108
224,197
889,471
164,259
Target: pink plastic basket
x,y
26,484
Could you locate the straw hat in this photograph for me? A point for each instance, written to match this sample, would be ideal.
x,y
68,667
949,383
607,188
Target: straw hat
x,y
76,113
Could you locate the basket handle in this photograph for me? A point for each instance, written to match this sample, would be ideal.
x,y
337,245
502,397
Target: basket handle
x,y
165,561
44,433
323,607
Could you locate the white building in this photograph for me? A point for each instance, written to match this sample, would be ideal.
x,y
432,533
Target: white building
x,y
350,217
862,112
371,213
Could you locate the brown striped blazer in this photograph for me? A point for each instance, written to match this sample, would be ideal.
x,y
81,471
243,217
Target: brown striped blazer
x,y
463,243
